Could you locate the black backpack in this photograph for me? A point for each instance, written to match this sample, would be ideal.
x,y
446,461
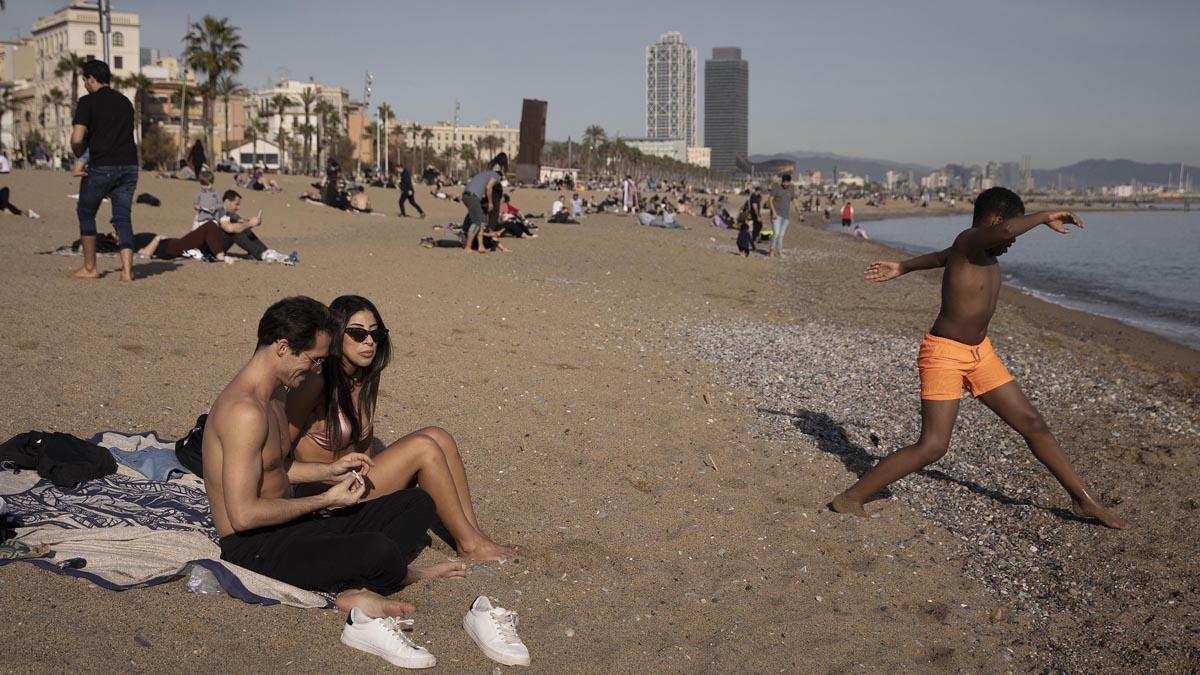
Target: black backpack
x,y
188,450
60,458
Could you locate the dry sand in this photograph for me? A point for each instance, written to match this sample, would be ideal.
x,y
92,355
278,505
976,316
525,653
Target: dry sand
x,y
662,529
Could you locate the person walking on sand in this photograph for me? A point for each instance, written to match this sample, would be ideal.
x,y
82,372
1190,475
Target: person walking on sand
x,y
779,203
408,192
103,127
847,218
957,354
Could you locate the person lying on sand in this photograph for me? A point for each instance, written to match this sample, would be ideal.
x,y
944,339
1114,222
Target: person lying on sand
x,y
347,391
957,354
362,549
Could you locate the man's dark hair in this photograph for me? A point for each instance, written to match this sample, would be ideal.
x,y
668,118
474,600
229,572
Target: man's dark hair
x,y
997,201
97,69
298,320
230,195
785,178
500,160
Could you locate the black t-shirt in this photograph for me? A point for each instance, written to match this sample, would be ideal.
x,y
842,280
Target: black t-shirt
x,y
108,116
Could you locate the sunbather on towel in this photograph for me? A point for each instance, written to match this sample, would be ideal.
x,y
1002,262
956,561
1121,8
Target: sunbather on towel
x,y
362,550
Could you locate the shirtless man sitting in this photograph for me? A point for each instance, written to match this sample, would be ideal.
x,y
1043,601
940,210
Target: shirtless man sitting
x,y
956,354
361,549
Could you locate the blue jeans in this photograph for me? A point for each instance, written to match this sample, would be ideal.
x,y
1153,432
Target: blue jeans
x,y
118,184
781,225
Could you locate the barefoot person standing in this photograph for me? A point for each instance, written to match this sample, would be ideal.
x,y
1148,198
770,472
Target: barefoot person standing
x,y
957,354
103,126
360,550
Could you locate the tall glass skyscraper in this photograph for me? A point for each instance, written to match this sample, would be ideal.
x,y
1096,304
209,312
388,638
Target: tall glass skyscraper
x,y
726,106
671,90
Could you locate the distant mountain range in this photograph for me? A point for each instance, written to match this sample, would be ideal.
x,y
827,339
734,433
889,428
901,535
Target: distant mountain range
x,y
1100,172
826,161
1085,174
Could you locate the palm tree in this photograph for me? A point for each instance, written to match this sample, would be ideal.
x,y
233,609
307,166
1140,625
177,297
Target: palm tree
x,y
256,129
385,114
414,129
492,144
280,102
55,98
467,155
183,99
71,63
227,88
324,111
593,136
426,136
140,84
213,47
307,97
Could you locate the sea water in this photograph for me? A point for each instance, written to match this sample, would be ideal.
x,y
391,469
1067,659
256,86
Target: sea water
x,y
1138,267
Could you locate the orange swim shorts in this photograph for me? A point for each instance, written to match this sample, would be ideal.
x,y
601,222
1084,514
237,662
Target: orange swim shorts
x,y
947,367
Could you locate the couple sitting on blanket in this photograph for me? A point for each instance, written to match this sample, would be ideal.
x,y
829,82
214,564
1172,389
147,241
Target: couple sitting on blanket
x,y
300,414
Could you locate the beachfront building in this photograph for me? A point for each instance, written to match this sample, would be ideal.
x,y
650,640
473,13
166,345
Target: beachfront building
x,y
671,149
169,81
726,107
16,75
446,135
75,29
260,104
671,90
260,153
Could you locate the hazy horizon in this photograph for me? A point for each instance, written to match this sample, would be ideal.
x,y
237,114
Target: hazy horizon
x,y
931,83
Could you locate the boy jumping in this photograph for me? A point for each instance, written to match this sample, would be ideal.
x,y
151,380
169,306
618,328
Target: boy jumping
x,y
957,354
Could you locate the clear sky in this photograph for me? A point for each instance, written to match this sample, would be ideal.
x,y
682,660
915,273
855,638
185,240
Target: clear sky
x,y
928,81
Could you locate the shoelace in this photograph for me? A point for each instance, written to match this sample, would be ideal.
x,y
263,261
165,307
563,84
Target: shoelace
x,y
506,624
398,627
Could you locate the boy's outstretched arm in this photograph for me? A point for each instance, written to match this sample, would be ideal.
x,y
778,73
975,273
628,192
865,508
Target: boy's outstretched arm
x,y
983,238
883,270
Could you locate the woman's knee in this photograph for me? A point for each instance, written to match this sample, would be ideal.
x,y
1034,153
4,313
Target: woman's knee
x,y
439,436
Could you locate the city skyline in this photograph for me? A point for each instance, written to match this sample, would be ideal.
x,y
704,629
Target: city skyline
x,y
913,84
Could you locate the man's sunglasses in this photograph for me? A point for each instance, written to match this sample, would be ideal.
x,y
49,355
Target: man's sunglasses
x,y
360,334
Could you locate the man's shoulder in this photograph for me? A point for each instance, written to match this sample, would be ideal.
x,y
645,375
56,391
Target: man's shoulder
x,y
235,409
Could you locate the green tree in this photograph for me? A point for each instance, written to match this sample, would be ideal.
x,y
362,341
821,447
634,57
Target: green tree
x,y
326,114
426,137
213,47
467,154
158,147
593,136
281,102
184,99
385,114
71,63
140,84
256,129
57,99
307,98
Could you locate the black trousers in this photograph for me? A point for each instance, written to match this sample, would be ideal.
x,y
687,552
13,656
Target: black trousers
x,y
369,545
246,239
408,197
5,204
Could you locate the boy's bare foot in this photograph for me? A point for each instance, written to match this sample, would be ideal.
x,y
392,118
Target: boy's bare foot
x,y
845,505
451,569
372,604
84,273
126,276
1095,511
487,549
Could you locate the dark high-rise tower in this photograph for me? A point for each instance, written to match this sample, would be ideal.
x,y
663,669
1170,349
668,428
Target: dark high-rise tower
x,y
726,106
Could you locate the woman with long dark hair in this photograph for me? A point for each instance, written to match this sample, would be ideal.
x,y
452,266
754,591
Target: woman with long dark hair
x,y
333,415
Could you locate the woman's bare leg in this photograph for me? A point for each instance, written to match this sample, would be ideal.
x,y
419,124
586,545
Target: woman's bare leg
x,y
418,455
453,460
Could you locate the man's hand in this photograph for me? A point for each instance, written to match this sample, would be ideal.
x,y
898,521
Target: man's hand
x,y
882,270
1058,220
346,493
78,169
351,461
254,222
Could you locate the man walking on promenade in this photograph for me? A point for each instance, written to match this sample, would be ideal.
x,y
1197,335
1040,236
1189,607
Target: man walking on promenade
x,y
103,127
779,201
407,192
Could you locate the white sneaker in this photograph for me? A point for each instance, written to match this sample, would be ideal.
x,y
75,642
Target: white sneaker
x,y
194,254
33,214
385,638
272,256
494,629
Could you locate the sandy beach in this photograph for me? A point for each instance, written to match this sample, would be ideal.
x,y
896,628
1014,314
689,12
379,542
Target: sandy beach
x,y
659,424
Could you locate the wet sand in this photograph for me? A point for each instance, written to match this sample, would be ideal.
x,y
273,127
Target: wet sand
x,y
666,524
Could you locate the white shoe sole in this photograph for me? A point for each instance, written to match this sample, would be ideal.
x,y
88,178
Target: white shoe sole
x,y
497,656
390,658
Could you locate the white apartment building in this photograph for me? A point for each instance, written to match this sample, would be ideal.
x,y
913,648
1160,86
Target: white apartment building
x,y
76,29
446,135
259,105
671,90
677,150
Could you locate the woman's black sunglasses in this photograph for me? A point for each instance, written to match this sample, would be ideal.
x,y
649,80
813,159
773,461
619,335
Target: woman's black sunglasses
x,y
360,334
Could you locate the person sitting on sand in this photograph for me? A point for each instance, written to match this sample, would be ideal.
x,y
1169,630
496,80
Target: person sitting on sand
x,y
512,221
227,217
360,549
347,392
8,206
957,354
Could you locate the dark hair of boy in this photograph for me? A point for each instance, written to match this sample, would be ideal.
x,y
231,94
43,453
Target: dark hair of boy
x,y
994,202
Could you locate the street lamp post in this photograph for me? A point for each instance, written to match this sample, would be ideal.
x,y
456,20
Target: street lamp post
x,y
367,107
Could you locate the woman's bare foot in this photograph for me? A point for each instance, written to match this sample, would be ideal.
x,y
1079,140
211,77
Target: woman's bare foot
x,y
847,506
486,549
451,569
84,273
372,604
1095,511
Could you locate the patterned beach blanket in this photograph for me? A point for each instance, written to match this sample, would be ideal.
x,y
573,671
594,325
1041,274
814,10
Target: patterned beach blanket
x,y
131,532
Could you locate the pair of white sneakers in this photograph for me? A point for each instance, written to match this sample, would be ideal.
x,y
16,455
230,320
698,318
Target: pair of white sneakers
x,y
494,629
